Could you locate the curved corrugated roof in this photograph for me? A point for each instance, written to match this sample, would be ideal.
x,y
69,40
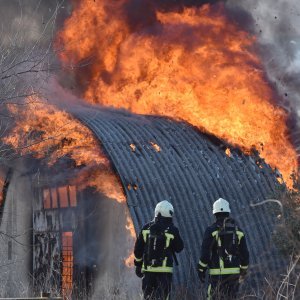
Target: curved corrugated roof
x,y
192,171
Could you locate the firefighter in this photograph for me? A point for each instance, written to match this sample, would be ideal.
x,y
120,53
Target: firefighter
x,y
154,252
224,254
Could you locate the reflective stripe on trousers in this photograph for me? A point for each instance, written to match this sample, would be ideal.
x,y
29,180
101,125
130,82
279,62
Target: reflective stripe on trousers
x,y
209,292
162,269
224,271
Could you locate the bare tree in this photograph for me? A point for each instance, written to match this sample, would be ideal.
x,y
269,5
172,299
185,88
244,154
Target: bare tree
x,y
26,62
26,59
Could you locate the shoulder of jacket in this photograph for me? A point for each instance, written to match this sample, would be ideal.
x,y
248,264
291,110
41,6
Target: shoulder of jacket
x,y
211,229
172,229
240,230
146,226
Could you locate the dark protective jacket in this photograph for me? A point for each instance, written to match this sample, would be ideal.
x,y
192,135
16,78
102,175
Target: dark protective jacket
x,y
174,244
211,259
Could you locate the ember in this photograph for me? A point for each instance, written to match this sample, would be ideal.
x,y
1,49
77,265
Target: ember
x,y
155,147
228,152
133,147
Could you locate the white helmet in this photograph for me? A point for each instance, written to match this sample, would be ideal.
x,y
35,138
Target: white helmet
x,y
221,205
165,209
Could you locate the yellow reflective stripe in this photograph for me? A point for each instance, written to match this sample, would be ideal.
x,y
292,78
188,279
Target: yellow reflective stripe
x,y
138,259
240,235
169,237
224,271
244,267
202,264
209,292
214,233
221,261
165,262
164,267
158,269
145,232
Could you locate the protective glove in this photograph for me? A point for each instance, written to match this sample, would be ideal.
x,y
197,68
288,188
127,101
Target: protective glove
x,y
138,271
201,275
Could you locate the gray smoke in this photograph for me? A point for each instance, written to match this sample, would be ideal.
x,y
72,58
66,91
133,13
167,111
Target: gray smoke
x,y
28,21
27,29
276,23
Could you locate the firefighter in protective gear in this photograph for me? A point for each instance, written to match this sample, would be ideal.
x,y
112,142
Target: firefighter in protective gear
x,y
154,252
224,254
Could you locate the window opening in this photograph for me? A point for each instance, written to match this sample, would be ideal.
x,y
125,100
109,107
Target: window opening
x,y
54,198
72,195
47,198
63,197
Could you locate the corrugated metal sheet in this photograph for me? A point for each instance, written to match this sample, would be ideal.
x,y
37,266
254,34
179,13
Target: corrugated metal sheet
x,y
192,171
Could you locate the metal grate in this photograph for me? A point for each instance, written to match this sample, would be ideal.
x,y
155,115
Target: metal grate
x,y
67,263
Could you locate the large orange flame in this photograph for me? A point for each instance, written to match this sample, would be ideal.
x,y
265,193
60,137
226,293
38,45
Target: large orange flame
x,y
47,133
194,65
129,261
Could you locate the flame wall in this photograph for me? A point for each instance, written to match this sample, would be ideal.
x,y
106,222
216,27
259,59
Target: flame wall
x,y
188,62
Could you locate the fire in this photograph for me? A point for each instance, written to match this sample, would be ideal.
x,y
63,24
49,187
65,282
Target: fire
x,y
129,226
133,147
129,261
195,65
45,132
228,152
155,147
108,183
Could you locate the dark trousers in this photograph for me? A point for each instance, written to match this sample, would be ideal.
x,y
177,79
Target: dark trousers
x,y
156,286
223,287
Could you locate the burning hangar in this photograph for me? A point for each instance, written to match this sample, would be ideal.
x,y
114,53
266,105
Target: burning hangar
x,y
55,244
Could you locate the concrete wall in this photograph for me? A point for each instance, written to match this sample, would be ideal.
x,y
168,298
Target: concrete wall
x,y
15,244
